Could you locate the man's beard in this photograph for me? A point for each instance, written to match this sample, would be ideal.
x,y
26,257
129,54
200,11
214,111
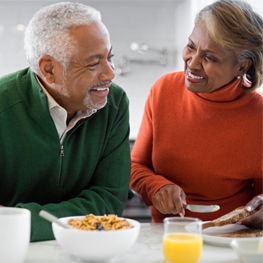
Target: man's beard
x,y
87,101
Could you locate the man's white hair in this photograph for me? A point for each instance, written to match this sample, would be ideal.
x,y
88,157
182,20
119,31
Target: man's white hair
x,y
48,32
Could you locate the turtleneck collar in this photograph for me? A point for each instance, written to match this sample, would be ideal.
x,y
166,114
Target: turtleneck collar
x,y
228,93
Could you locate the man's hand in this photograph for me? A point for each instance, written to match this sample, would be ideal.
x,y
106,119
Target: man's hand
x,y
169,200
255,220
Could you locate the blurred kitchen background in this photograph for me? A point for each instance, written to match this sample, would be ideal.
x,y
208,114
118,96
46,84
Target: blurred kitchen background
x,y
147,36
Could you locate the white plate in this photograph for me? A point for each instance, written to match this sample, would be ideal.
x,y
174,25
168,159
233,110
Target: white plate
x,y
209,238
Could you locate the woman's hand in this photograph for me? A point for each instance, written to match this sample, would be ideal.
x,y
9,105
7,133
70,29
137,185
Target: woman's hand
x,y
169,200
255,220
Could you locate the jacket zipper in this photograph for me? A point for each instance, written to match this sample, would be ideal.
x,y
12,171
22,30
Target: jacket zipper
x,y
62,151
60,165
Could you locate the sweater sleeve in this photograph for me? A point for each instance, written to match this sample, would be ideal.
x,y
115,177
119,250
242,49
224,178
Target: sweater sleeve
x,y
258,182
107,191
144,180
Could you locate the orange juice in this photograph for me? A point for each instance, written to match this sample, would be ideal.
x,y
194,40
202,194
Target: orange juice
x,y
182,247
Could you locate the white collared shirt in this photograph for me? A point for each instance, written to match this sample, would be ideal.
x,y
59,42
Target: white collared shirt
x,y
59,114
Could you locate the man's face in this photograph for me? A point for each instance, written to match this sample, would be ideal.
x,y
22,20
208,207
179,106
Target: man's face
x,y
85,85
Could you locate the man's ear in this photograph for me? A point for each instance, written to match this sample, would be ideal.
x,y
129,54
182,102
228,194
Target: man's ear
x,y
46,66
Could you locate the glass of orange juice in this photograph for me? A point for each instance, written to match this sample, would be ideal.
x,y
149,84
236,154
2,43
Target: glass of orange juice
x,y
182,239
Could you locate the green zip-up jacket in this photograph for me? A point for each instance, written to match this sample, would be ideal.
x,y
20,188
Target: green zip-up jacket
x,y
90,175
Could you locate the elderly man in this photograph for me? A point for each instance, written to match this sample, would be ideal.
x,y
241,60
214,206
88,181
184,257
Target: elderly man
x,y
64,125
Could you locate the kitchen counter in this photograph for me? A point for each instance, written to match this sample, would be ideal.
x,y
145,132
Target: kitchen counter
x,y
147,249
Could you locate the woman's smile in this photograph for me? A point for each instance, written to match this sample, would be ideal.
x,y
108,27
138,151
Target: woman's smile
x,y
194,77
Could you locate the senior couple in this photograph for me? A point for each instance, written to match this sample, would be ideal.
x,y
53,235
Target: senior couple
x,y
64,125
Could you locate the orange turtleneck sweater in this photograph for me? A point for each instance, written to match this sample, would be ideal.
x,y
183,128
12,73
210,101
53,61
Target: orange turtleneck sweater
x,y
208,144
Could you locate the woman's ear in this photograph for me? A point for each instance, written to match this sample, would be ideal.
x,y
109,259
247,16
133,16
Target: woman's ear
x,y
46,66
244,66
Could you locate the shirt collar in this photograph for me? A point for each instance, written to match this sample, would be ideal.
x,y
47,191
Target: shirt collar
x,y
59,114
228,93
52,103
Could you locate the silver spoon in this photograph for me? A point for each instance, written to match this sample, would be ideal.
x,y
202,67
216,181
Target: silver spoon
x,y
51,218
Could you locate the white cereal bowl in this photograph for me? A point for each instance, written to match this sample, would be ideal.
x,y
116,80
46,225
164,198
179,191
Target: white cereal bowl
x,y
247,250
95,246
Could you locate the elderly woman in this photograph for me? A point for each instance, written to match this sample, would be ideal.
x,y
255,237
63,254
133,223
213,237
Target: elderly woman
x,y
200,139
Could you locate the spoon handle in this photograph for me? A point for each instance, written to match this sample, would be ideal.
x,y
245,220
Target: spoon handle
x,y
51,218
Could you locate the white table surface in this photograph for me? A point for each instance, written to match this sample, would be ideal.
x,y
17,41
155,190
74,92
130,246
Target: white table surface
x,y
147,249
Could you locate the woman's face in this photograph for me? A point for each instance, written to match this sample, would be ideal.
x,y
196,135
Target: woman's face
x,y
208,66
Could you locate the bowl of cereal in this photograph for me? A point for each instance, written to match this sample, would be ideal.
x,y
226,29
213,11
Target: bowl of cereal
x,y
96,238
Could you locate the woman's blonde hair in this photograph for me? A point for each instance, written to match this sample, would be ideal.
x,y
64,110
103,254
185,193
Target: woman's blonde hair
x,y
234,25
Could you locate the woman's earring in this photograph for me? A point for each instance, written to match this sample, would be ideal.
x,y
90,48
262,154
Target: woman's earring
x,y
246,82
238,77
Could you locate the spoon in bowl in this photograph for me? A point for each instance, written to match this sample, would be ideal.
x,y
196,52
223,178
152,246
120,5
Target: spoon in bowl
x,y
51,218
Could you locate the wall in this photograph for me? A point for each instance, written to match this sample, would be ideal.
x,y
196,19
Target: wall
x,y
159,23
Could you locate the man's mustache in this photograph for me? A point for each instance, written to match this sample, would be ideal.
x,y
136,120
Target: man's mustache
x,y
100,84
